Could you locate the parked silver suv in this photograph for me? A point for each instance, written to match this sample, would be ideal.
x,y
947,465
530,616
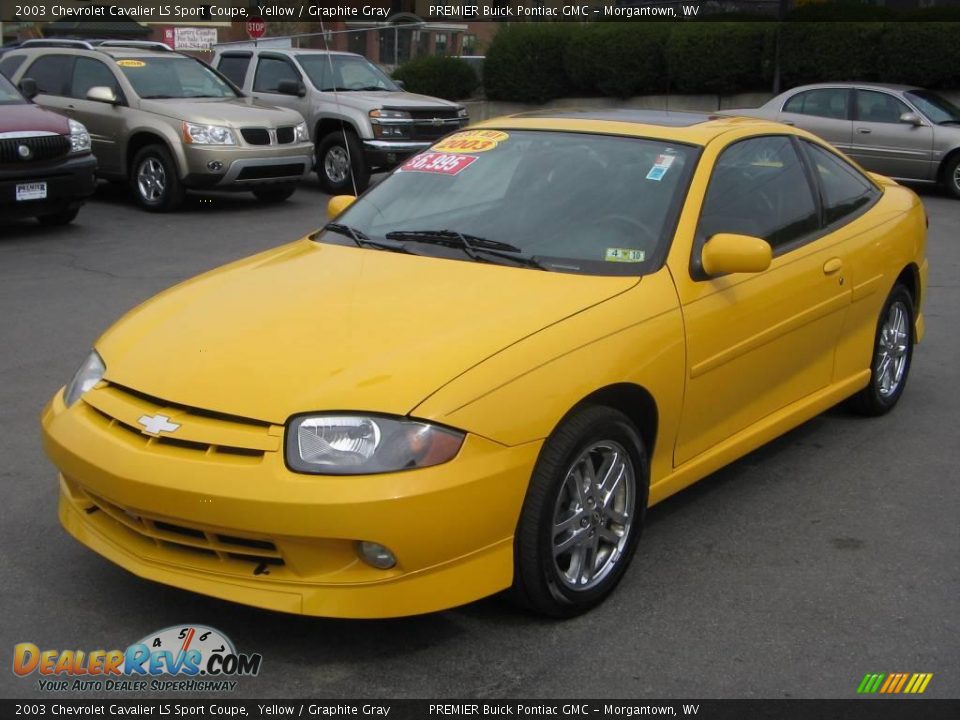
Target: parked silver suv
x,y
359,119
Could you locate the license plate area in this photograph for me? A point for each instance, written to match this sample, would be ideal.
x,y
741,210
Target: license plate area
x,y
31,191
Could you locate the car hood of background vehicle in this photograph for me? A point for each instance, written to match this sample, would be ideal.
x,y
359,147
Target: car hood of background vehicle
x,y
27,118
388,99
312,326
239,112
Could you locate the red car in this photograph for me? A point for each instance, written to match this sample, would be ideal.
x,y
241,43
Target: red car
x,y
46,167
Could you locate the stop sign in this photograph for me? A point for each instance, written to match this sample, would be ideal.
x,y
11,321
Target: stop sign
x,y
256,28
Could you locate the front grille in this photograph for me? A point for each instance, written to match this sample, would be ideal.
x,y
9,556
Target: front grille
x,y
200,433
428,114
165,533
285,135
256,136
429,131
267,172
43,147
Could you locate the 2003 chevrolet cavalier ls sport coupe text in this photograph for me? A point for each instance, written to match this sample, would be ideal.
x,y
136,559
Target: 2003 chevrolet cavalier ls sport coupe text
x,y
480,374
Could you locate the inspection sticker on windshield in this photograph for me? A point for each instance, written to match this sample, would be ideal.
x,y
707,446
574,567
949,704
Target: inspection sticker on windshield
x,y
624,255
471,141
131,63
660,167
440,163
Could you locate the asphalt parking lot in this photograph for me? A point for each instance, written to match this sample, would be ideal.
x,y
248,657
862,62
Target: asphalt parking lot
x,y
833,552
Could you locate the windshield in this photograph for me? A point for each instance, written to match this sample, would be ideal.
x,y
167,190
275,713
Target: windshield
x,y
349,72
173,77
936,108
571,202
9,94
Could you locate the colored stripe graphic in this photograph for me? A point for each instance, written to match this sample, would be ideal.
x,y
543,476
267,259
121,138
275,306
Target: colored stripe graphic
x,y
894,683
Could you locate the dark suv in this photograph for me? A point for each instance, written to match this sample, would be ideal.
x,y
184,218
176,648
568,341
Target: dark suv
x,y
46,168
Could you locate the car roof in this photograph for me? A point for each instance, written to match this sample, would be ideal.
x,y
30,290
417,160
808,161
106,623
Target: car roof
x,y
685,127
223,50
846,83
115,53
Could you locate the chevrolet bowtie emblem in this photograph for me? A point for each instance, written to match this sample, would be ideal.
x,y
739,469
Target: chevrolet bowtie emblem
x,y
156,424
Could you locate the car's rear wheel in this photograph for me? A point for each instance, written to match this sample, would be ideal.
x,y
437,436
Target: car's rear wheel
x,y
582,515
274,193
892,355
951,176
341,164
154,180
62,217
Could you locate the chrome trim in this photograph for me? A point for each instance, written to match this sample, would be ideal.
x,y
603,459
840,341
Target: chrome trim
x,y
23,134
389,145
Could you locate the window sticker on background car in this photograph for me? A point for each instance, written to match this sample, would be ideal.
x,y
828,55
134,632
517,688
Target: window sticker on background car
x,y
660,167
131,63
471,141
624,255
435,162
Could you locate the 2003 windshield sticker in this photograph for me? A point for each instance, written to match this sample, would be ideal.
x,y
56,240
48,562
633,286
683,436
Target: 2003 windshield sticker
x,y
471,141
181,658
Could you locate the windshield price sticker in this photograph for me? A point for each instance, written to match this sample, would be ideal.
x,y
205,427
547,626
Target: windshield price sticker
x,y
624,255
660,167
471,141
440,163
131,63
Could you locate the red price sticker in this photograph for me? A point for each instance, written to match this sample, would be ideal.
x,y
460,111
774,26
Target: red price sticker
x,y
442,163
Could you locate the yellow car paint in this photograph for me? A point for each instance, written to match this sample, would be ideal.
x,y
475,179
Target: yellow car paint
x,y
712,367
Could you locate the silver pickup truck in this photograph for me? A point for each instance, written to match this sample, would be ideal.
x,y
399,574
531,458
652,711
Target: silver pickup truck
x,y
359,119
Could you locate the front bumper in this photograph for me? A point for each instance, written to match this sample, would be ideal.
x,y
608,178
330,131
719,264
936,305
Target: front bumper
x,y
68,180
246,529
242,167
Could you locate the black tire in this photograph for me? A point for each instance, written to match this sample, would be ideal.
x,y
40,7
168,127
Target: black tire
x,y
155,161
63,217
951,176
541,581
332,152
274,193
880,396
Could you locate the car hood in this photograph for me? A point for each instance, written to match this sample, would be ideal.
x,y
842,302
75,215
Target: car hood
x,y
369,99
313,326
31,118
239,112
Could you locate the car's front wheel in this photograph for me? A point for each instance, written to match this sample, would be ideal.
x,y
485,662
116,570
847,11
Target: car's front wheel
x,y
951,176
582,515
341,166
892,355
154,180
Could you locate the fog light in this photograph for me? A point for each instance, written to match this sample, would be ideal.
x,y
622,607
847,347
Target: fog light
x,y
376,555
215,166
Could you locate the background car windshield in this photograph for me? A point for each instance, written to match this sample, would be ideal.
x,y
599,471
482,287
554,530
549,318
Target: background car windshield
x,y
173,77
344,72
937,108
603,205
8,94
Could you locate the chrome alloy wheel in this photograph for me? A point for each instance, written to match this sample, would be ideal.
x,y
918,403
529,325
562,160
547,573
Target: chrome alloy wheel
x,y
892,344
151,179
956,177
593,515
336,164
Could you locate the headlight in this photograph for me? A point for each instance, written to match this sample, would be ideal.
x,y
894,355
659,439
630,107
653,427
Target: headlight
x,y
79,137
300,133
382,114
461,112
207,134
89,374
364,445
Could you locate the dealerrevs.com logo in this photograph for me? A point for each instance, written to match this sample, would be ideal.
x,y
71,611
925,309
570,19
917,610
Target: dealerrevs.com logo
x,y
201,658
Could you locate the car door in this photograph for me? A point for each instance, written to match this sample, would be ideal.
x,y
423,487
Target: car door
x,y
52,74
824,112
270,71
103,121
757,342
884,144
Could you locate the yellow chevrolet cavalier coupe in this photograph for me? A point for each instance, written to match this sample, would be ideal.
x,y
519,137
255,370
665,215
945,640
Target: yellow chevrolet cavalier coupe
x,y
481,373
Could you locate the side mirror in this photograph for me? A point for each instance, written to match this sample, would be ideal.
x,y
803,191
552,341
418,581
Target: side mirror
x,y
911,118
28,88
337,204
101,93
726,253
291,87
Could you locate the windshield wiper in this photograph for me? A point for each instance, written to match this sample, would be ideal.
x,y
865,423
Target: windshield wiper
x,y
156,97
471,245
363,240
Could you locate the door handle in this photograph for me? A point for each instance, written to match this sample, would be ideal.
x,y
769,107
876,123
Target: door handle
x,y
864,131
833,265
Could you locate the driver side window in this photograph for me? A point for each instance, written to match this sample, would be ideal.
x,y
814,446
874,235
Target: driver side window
x,y
759,187
270,71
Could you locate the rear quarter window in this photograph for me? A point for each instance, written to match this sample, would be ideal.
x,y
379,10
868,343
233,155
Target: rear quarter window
x,y
9,65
